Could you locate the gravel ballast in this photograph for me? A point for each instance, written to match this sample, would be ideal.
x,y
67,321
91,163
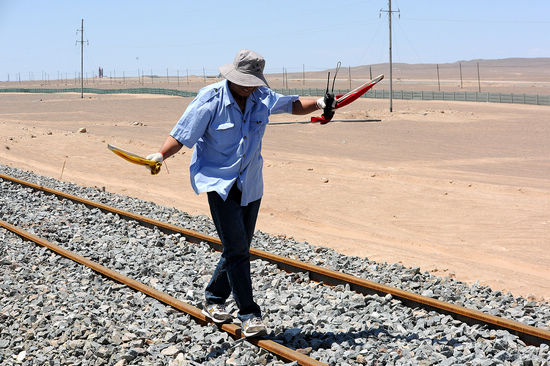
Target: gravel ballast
x,y
52,309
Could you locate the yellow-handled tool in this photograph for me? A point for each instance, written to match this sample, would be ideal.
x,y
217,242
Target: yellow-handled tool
x,y
136,159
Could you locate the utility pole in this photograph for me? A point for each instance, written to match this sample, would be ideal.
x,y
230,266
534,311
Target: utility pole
x,y
389,11
82,58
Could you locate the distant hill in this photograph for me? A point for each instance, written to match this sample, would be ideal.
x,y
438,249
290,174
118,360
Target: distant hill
x,y
516,69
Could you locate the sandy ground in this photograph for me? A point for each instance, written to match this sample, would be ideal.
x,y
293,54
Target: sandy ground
x,y
459,189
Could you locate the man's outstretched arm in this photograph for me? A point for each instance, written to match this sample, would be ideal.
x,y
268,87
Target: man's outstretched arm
x,y
304,106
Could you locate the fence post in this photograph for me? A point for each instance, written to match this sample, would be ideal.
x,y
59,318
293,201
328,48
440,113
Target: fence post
x,y
438,83
478,79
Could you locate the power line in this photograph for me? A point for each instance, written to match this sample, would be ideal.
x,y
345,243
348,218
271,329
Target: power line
x,y
484,21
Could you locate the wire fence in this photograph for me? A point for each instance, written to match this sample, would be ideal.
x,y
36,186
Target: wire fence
x,y
487,97
162,91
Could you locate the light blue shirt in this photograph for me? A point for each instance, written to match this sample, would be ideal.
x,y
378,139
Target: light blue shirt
x,y
227,142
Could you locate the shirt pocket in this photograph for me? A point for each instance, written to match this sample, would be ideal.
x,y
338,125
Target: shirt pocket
x,y
223,136
258,121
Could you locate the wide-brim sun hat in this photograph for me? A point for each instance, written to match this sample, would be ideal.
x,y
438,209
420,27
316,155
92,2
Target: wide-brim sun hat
x,y
246,70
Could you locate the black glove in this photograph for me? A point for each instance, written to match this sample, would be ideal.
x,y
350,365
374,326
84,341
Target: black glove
x,y
330,102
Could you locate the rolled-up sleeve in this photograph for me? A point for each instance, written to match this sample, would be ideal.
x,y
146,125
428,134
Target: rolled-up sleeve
x,y
279,103
192,123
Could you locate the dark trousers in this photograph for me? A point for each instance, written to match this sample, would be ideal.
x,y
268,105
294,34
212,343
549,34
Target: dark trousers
x,y
235,225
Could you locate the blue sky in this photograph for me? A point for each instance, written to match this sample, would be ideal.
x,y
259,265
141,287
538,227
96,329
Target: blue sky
x,y
40,36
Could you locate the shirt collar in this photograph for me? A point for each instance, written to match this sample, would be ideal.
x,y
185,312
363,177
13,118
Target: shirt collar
x,y
228,97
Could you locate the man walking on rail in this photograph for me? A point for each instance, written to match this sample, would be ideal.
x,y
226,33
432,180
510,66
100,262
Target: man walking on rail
x,y
226,123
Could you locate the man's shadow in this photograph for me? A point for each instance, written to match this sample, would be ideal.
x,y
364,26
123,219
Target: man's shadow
x,y
333,121
295,339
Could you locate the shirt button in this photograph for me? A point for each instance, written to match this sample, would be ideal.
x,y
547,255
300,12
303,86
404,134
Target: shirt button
x,y
244,156
244,137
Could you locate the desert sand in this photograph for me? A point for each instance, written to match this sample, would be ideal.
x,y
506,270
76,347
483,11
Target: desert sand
x,y
459,189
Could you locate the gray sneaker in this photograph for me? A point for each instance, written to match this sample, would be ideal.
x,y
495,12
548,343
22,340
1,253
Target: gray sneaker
x,y
217,313
253,327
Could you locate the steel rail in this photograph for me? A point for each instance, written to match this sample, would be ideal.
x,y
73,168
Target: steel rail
x,y
527,333
234,330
